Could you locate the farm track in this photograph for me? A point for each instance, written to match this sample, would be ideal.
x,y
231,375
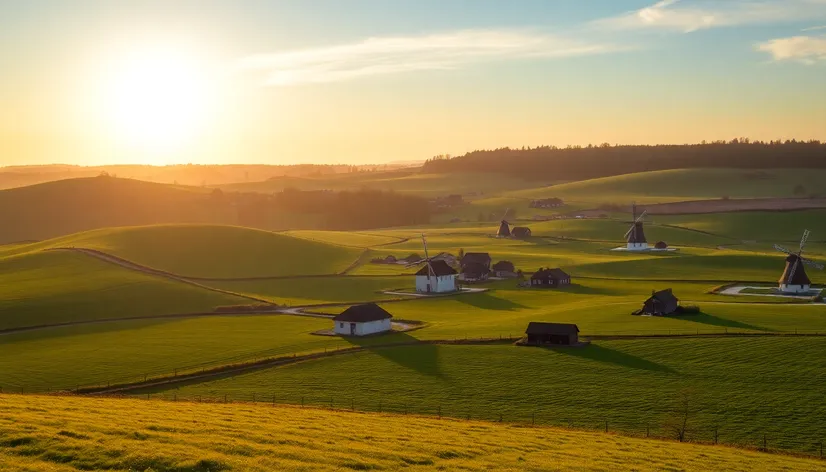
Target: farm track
x,y
235,369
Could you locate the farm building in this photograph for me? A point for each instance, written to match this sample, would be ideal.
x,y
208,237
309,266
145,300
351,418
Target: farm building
x,y
550,278
504,269
361,320
521,232
547,203
661,245
436,277
476,258
540,333
474,272
661,303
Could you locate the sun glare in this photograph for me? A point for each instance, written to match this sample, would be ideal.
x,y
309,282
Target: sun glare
x,y
157,99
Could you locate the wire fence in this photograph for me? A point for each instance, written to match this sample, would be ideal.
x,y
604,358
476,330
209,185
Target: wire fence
x,y
653,427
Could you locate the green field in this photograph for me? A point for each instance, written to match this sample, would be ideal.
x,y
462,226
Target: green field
x,y
126,435
40,288
732,385
316,290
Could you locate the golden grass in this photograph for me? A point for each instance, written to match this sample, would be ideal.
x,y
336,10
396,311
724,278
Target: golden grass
x,y
70,433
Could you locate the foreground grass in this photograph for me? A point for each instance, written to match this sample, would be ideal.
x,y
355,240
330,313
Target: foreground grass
x,y
121,435
746,388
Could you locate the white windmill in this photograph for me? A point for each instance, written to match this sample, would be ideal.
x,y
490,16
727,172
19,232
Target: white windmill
x,y
436,276
635,236
794,278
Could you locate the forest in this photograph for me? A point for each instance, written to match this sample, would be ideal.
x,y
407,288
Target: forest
x,y
588,162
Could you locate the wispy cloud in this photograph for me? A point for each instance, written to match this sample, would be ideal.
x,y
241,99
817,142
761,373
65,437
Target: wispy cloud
x,y
805,49
814,28
389,55
689,16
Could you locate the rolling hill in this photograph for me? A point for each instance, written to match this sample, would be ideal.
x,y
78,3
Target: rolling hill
x,y
124,434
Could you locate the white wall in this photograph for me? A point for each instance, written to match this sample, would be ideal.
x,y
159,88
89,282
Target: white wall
x,y
362,329
440,284
794,288
637,246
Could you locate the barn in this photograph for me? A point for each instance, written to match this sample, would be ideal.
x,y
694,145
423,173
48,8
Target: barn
x,y
661,303
504,269
361,320
560,334
550,278
441,280
475,266
521,232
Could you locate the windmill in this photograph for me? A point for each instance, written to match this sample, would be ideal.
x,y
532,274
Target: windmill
x,y
794,278
436,276
635,237
504,228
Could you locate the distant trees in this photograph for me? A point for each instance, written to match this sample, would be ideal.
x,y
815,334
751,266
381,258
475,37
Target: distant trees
x,y
577,163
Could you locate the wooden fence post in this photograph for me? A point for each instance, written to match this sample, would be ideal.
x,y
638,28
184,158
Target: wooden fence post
x,y
273,399
716,435
440,411
302,402
606,426
225,398
647,430
352,405
379,406
533,417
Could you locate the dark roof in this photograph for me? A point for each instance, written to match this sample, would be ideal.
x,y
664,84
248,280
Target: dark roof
x,y
661,245
520,231
475,269
504,229
799,277
540,327
440,268
506,266
363,314
664,296
556,274
476,257
636,234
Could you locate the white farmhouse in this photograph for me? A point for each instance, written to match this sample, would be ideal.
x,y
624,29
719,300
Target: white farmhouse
x,y
442,279
361,320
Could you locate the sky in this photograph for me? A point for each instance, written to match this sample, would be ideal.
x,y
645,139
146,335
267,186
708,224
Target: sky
x,y
371,81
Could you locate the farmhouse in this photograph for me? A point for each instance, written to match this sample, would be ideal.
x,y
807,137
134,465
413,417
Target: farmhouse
x,y
361,320
540,333
436,276
504,269
475,266
550,278
476,258
660,303
521,232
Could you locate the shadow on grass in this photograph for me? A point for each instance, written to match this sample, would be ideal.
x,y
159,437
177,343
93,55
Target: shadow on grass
x,y
595,352
711,320
487,301
420,357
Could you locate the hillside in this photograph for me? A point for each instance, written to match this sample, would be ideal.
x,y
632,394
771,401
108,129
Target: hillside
x,y
69,206
120,435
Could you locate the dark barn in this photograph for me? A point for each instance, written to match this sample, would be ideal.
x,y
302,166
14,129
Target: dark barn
x,y
561,334
521,232
661,303
550,278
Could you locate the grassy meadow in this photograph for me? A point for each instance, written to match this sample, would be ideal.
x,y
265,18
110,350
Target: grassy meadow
x,y
732,384
125,435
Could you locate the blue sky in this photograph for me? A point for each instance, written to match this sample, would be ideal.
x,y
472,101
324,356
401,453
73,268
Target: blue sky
x,y
370,80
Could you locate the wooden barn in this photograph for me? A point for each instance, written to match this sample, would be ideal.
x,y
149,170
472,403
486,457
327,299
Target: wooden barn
x,y
550,278
504,269
475,266
661,303
521,232
560,334
361,320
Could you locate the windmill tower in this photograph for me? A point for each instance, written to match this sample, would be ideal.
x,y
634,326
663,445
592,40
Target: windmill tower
x,y
436,276
635,236
504,226
794,278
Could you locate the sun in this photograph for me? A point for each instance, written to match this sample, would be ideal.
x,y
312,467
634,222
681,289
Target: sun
x,y
156,100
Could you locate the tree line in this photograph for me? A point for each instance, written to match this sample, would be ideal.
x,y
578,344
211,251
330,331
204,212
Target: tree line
x,y
588,162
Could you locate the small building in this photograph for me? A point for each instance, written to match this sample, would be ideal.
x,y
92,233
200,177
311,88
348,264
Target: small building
x,y
550,278
436,277
361,320
476,258
475,272
560,334
504,269
391,259
521,232
661,303
660,245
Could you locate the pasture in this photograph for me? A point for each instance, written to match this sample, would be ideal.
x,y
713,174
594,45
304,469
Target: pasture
x,y
732,385
127,434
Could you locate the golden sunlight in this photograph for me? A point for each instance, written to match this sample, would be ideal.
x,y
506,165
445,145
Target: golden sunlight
x,y
156,100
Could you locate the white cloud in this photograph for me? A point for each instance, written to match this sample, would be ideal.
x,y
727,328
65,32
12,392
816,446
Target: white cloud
x,y
806,49
388,55
814,28
689,16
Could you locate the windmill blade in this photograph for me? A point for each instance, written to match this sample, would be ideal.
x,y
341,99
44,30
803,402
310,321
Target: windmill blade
x,y
782,249
414,264
644,212
814,264
804,239
791,272
632,228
